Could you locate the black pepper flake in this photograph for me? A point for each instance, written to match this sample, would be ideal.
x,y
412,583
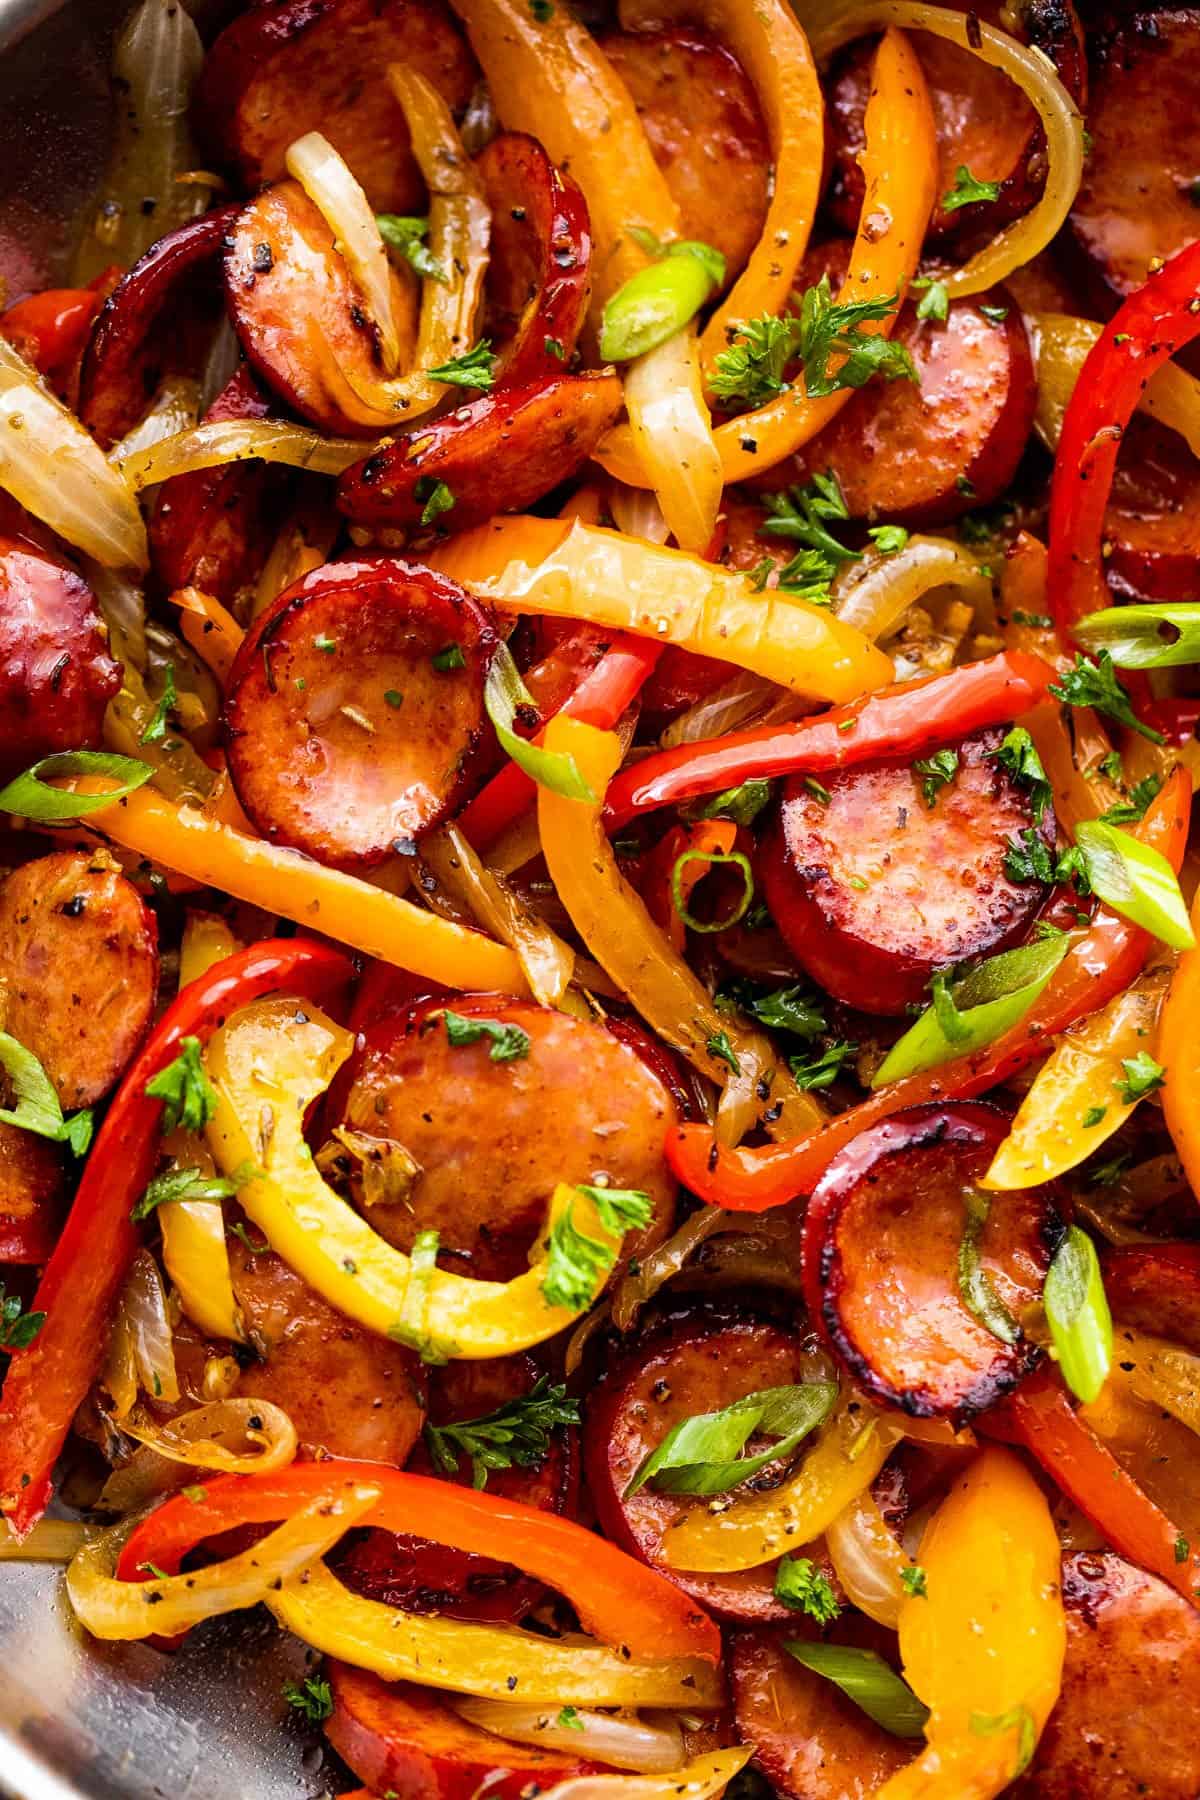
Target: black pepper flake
x,y
264,261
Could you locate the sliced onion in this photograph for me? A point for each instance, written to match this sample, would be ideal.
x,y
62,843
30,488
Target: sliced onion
x,y
169,1604
626,1743
663,1264
1061,344
549,964
1163,1374
53,468
235,440
876,592
833,23
303,544
50,1540
868,1560
703,1779
637,513
672,429
237,1437
175,408
746,700
339,198
144,1303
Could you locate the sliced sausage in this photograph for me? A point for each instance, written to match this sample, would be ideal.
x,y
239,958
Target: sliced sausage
x,y
1152,526
497,454
926,451
402,1739
493,1139
298,312
1156,1289
424,1577
211,529
355,708
539,276
810,1741
983,119
701,115
56,676
79,967
31,1187
874,890
682,1368
881,1246
1135,202
154,323
347,1391
291,66
1127,1723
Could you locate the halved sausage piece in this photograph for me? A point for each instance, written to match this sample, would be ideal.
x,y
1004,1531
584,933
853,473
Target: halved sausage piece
x,y
402,1739
493,1139
1127,1723
539,275
888,1233
355,708
79,969
56,676
497,454
419,1576
1136,201
874,890
31,1187
701,115
1156,1289
810,1741
290,66
1152,524
681,1368
984,122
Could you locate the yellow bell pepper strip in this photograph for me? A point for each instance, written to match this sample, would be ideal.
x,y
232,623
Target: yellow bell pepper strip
x,y
1080,1096
574,571
773,50
613,922
851,1448
1179,1052
190,842
268,1065
983,1647
900,168
207,939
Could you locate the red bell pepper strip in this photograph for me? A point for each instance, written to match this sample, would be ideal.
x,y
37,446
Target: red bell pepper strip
x,y
599,700
897,721
1098,965
620,1600
50,329
1150,327
46,1383
1040,1417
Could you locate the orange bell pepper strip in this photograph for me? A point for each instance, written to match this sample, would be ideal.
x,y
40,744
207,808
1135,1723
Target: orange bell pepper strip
x,y
900,168
984,1645
1179,1053
210,629
546,566
1101,961
619,1599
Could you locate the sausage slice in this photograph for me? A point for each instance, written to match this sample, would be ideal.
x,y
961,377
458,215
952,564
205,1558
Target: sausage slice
x,y
884,1245
31,1185
874,890
1156,1289
539,274
355,708
56,676
1152,526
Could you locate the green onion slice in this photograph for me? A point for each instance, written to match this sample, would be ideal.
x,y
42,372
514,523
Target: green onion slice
x,y
1144,637
702,1455
975,1285
30,796
1136,881
1077,1309
872,1684
660,300
714,857
502,695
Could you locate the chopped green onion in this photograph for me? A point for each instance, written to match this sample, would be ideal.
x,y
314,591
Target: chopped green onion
x,y
30,796
659,300
872,1684
1136,881
504,693
975,1285
409,1328
1077,1310
713,858
701,1455
1146,636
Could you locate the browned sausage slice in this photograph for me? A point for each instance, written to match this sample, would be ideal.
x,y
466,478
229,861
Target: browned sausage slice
x,y
874,890
681,1369
355,708
1127,1723
31,1185
539,274
79,964
1152,526
811,1742
492,1139
882,1254
56,676
701,115
1156,1289
497,454
291,66
1137,198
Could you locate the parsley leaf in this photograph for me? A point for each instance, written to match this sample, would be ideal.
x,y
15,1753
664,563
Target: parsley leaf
x,y
936,772
450,657
814,1073
189,1184
935,300
188,1096
720,1048
405,237
912,1580
1142,1076
752,369
803,515
802,1586
568,1719
312,1698
1018,754
37,1106
436,498
477,369
1095,684
575,1264
515,1435
509,1042
156,730
741,804
1129,811
18,1328
794,1009
1028,858
888,539
967,191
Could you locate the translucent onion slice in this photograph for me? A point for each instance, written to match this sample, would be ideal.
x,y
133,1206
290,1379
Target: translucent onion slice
x,y
143,1306
549,964
868,1560
125,1610
703,1779
53,468
672,428
626,1743
243,1436
1061,343
746,700
637,513
50,1540
832,23
875,593
234,440
175,408
1163,1375
339,198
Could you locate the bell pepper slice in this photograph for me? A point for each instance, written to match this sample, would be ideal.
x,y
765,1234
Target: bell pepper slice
x,y
550,567
1179,1052
1152,325
620,1601
1102,961
984,1645
270,1062
902,720
50,329
47,1382
900,169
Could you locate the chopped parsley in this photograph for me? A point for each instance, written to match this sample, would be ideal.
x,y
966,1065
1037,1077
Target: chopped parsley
x,y
1029,858
451,657
435,499
393,697
477,369
189,1184
1133,808
509,1042
515,1435
312,1698
1095,684
18,1328
752,370
912,1580
935,299
721,1050
1095,1115
801,1585
803,514
936,772
156,730
967,191
1018,754
406,238
1142,1076
888,539
814,1073
793,1009
568,1719
188,1096
575,1263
